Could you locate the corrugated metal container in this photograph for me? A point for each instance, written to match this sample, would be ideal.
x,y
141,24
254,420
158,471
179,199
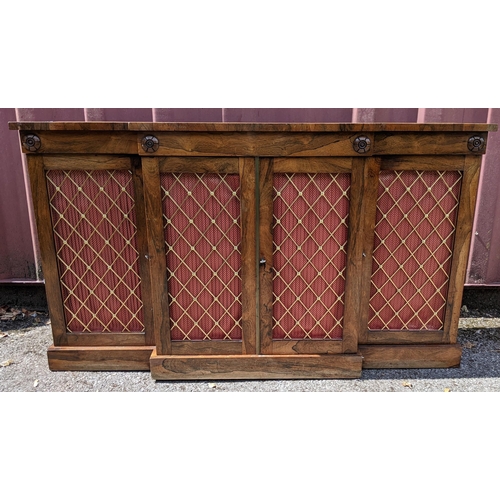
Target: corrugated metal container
x,y
19,261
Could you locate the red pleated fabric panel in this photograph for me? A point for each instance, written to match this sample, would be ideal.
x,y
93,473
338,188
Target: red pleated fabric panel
x,y
94,223
415,227
203,238
310,237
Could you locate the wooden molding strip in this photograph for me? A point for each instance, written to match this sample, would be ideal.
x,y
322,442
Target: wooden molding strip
x,y
106,339
255,367
403,337
250,127
411,356
99,358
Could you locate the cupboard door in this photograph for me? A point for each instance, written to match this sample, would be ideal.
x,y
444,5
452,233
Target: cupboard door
x,y
312,251
88,215
208,229
421,241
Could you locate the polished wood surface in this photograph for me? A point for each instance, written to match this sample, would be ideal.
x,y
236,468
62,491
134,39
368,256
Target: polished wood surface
x,y
248,255
252,127
254,151
43,219
110,358
410,356
465,219
143,250
363,202
156,255
259,367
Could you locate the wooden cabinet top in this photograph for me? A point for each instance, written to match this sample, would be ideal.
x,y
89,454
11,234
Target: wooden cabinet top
x,y
253,139
252,127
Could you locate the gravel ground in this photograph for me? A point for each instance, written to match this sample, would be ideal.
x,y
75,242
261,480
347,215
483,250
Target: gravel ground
x,y
199,443
25,339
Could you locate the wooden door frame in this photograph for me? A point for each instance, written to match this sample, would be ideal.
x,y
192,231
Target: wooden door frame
x,y
38,165
469,167
244,167
362,205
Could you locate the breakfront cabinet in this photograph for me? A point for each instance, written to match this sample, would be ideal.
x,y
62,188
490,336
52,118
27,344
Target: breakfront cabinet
x,y
224,250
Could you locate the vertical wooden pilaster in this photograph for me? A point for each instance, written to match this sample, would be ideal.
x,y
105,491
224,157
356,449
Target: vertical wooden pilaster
x,y
143,250
156,254
362,213
45,231
248,255
463,234
266,254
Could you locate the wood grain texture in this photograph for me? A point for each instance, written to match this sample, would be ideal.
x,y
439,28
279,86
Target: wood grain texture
x,y
423,144
78,126
255,144
45,233
143,250
362,211
156,255
106,339
306,347
190,348
233,148
86,162
461,246
199,165
86,143
252,127
432,163
266,254
255,367
422,356
322,165
99,358
248,255
404,337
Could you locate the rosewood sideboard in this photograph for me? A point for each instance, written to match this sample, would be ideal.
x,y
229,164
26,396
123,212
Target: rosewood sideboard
x,y
239,250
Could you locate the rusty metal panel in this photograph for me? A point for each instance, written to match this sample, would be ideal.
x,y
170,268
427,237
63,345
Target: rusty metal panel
x,y
22,244
484,258
385,115
484,261
452,115
18,261
188,115
118,114
49,114
285,115
19,249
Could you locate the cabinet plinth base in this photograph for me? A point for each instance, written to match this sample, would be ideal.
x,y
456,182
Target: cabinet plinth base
x,y
240,367
411,356
123,358
307,366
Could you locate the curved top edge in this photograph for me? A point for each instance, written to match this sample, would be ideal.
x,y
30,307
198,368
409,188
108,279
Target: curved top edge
x,y
251,127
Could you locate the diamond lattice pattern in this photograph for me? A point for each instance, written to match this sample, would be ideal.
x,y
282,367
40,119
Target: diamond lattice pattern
x,y
203,238
310,237
415,226
94,224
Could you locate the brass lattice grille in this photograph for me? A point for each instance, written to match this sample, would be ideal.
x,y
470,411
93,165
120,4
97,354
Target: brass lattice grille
x,y
93,217
415,226
310,237
203,236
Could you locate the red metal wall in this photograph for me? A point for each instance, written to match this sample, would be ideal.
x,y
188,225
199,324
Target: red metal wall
x,y
19,259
